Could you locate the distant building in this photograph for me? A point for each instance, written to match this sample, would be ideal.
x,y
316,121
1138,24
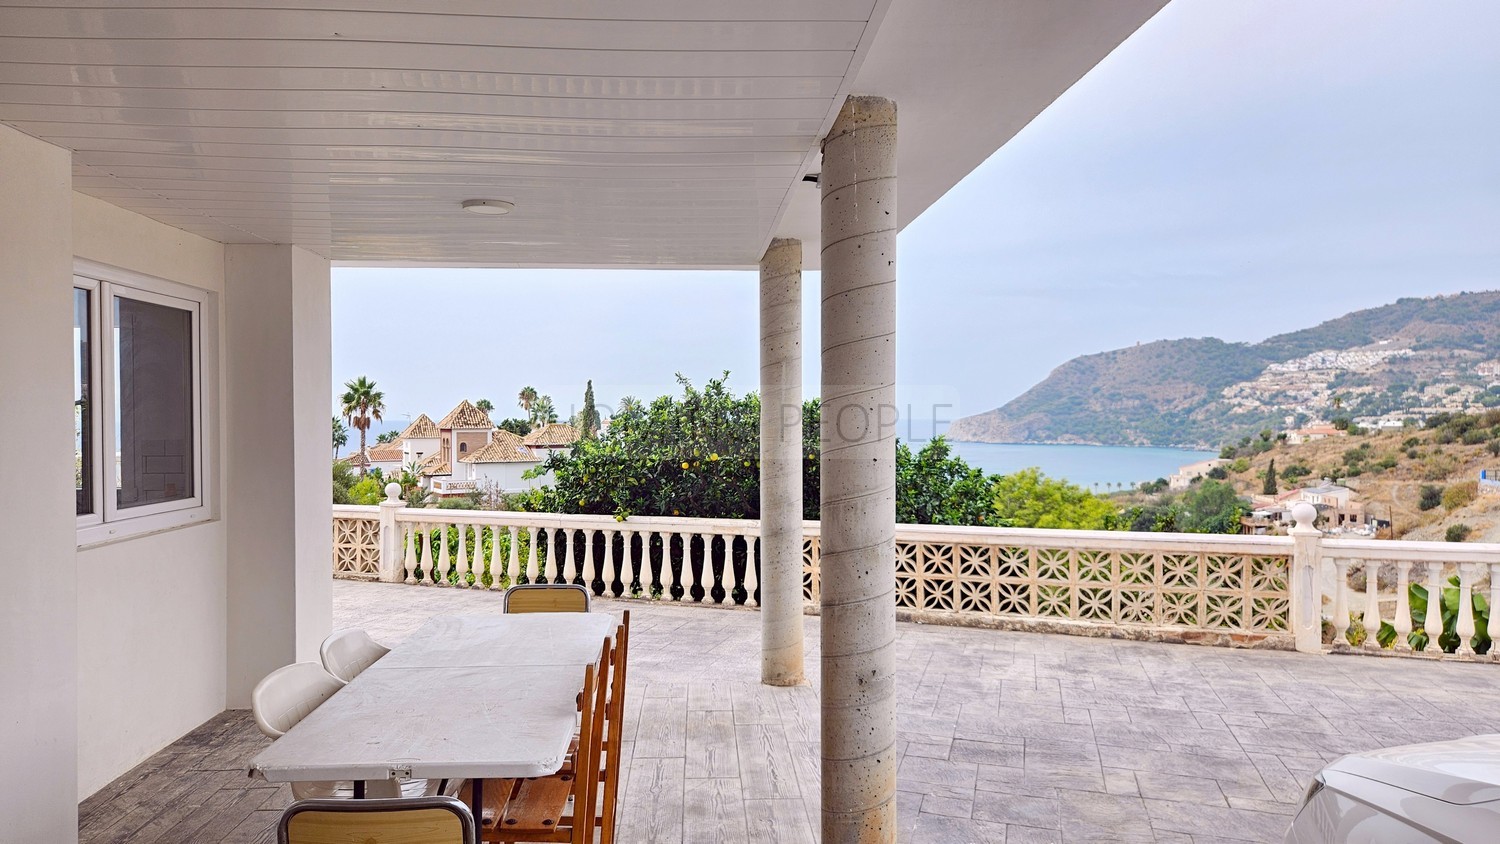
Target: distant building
x,y
1185,475
1312,433
1336,505
1489,481
551,437
502,463
386,456
420,440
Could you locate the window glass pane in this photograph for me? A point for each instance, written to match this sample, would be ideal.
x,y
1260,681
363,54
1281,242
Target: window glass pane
x,y
83,433
154,413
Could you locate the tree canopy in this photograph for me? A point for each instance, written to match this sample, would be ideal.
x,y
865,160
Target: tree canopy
x,y
1029,498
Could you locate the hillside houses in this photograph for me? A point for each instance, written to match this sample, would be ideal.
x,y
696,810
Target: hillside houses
x,y
464,452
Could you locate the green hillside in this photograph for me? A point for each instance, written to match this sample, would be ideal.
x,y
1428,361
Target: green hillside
x,y
1169,392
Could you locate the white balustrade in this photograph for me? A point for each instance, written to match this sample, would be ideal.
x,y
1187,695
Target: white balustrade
x,y
463,557
1148,585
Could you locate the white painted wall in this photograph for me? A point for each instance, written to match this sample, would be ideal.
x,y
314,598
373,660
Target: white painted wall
x,y
151,609
278,497
426,446
506,475
38,611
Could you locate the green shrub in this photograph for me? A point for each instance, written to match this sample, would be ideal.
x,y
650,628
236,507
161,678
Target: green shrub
x,y
1460,494
368,491
1448,639
1457,533
1429,497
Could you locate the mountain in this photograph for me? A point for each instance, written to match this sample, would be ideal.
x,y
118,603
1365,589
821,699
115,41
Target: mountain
x,y
1410,358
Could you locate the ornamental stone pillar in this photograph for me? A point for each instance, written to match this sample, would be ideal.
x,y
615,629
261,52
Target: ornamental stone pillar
x,y
858,474
781,461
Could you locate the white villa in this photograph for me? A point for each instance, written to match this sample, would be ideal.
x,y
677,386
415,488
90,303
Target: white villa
x,y
465,452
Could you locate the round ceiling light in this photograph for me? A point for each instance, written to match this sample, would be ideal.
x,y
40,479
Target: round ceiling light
x,y
488,207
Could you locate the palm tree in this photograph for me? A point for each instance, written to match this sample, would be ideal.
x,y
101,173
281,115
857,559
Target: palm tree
x,y
362,404
527,398
542,411
485,406
340,437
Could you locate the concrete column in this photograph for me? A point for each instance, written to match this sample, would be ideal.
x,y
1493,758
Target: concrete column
x,y
858,474
781,464
38,609
279,504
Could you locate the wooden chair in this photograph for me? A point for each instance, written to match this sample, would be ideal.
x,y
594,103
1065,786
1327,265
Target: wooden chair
x,y
401,820
546,597
614,712
547,809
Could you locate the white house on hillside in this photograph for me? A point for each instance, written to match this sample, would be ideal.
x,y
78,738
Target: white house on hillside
x,y
550,437
502,463
420,440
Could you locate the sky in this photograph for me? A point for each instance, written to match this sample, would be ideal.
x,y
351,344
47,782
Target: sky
x,y
1236,169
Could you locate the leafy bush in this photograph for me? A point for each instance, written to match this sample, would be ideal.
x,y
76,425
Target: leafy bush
x,y
1475,436
696,455
368,491
935,488
1457,533
1448,639
1211,507
343,480
1429,497
1029,498
1460,494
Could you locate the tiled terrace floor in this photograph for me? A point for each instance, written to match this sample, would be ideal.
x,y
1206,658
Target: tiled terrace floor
x,y
1005,737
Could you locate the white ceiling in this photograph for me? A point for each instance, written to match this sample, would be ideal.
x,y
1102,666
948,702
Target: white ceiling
x,y
673,134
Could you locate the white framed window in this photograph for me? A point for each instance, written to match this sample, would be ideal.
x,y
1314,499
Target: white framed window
x,y
139,393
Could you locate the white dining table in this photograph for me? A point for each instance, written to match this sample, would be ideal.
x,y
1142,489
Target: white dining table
x,y
475,697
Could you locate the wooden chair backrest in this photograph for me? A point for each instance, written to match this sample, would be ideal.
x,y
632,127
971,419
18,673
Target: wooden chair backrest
x,y
546,597
534,811
614,711
410,820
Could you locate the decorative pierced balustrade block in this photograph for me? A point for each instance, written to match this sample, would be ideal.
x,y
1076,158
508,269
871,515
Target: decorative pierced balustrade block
x,y
810,588
356,548
1219,592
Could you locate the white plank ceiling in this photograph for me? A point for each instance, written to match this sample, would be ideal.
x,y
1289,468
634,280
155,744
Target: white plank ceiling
x,y
643,133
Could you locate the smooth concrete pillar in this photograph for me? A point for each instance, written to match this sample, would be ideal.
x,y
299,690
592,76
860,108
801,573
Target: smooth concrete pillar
x,y
39,602
781,464
858,474
279,501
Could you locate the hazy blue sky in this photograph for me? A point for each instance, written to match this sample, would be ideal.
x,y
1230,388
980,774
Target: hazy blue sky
x,y
1237,168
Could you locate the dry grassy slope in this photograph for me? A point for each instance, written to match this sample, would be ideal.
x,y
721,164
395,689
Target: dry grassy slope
x,y
1394,490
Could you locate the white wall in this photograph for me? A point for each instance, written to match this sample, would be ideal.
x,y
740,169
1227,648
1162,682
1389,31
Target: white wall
x,y
506,475
38,604
151,609
278,500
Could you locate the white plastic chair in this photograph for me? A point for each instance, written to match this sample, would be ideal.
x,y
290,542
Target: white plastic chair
x,y
349,651
289,694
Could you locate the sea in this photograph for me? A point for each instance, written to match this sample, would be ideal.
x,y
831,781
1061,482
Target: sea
x,y
1096,467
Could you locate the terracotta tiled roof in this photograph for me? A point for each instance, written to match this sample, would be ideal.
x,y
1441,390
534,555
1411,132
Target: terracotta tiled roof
x,y
465,416
553,435
386,452
434,465
421,428
504,448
